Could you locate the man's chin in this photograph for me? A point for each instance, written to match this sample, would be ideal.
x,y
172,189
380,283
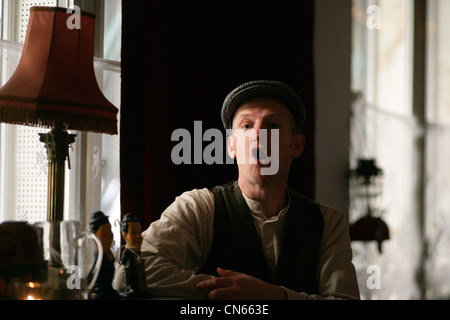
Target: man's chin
x,y
257,173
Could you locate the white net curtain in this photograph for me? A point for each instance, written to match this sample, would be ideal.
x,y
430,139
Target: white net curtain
x,y
415,262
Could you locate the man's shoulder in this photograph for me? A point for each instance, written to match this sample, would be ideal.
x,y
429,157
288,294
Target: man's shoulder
x,y
195,194
191,201
297,195
332,215
324,208
208,192
328,209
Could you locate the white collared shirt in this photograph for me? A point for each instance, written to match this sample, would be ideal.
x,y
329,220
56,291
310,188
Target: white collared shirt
x,y
176,246
270,231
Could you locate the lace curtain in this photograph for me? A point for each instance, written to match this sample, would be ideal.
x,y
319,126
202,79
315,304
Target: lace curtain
x,y
402,263
415,261
393,140
437,220
437,202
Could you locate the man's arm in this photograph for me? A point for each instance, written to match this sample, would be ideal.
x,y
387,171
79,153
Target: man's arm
x,y
233,285
336,274
177,245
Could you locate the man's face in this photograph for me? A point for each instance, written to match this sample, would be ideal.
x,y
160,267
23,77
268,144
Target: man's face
x,y
264,140
133,236
105,235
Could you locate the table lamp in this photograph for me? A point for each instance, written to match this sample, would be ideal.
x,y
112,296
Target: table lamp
x,y
54,86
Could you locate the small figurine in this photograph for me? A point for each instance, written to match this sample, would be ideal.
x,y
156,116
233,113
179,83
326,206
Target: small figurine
x,y
130,262
102,290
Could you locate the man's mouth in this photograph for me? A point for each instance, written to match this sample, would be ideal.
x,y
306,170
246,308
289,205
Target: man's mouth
x,y
260,156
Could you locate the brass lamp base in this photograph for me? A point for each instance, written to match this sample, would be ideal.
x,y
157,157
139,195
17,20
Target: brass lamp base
x,y
57,143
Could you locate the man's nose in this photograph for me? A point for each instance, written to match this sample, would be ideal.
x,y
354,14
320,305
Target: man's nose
x,y
260,129
254,133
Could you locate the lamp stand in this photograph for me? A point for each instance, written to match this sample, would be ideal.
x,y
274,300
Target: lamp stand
x,y
57,143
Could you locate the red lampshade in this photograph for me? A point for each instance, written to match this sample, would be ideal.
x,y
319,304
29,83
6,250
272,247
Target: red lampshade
x,y
54,84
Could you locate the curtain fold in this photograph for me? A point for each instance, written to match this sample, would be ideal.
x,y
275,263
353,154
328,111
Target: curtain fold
x,y
179,61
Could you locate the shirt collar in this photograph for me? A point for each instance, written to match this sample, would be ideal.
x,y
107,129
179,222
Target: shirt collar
x,y
256,208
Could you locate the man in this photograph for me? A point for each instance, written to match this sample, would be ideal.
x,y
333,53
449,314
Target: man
x,y
103,290
129,279
254,238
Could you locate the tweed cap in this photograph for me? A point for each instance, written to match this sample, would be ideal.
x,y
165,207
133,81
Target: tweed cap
x,y
263,88
98,218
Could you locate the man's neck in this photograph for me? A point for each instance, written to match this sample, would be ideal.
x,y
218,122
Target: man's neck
x,y
271,196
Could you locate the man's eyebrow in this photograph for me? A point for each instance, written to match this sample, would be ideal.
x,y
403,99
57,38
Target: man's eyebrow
x,y
274,114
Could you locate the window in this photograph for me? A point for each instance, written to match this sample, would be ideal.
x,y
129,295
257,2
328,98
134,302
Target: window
x,y
389,124
93,182
437,129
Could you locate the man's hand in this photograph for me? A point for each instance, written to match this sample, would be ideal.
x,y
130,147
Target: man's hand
x,y
239,286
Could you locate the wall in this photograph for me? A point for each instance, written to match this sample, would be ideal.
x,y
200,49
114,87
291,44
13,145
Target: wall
x,y
332,54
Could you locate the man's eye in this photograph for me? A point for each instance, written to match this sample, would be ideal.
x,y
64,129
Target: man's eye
x,y
246,126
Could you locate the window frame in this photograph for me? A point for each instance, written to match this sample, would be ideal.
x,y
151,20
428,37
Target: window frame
x,y
424,140
83,190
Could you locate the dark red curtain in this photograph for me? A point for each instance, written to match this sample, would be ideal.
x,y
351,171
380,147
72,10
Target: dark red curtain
x,y
179,61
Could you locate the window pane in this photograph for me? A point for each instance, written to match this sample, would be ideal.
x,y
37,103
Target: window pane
x,y
27,183
23,159
383,128
394,57
439,26
437,201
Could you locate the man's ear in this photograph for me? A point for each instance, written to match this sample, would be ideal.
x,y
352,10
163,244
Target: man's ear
x,y
231,147
299,145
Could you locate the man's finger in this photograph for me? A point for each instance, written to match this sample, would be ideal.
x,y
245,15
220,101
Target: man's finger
x,y
214,283
227,273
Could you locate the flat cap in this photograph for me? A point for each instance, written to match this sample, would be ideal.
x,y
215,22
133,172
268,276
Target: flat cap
x,y
263,88
129,217
98,218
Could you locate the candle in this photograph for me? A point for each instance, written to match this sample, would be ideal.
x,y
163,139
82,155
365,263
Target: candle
x,y
32,291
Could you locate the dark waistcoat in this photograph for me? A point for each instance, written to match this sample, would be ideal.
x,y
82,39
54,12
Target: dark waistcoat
x,y
236,245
